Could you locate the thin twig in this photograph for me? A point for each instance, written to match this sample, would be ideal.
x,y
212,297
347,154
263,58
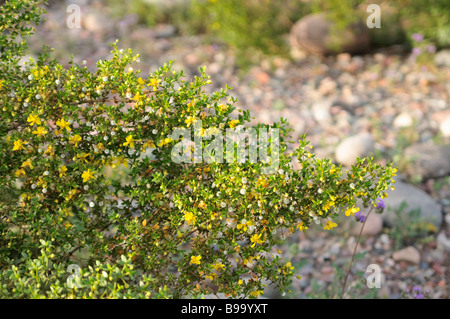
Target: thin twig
x,y
70,253
344,285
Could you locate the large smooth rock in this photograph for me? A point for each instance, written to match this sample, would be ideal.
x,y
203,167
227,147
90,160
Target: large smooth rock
x,y
416,199
442,58
316,34
372,227
360,145
428,160
408,254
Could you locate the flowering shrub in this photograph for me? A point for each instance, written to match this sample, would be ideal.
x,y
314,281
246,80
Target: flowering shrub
x,y
176,229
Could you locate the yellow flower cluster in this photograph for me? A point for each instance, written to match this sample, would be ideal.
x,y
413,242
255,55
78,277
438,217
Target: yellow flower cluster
x,y
330,225
190,218
351,211
195,260
164,141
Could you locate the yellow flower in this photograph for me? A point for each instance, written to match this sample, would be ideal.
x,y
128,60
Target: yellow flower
x,y
122,160
129,141
190,218
138,97
67,224
41,183
210,276
302,226
20,172
140,81
83,156
50,150
34,119
256,239
27,163
190,120
289,265
256,293
87,175
18,145
154,83
149,144
63,124
219,266
62,171
233,123
351,211
244,225
75,140
330,225
328,205
195,260
262,182
40,131
1,83
222,107
164,142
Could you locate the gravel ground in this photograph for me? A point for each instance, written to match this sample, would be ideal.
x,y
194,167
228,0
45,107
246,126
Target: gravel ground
x,y
385,102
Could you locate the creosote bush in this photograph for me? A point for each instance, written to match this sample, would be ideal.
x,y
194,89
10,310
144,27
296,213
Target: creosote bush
x,y
176,230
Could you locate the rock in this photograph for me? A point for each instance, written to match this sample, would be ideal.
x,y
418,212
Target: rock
x,y
445,127
165,31
442,58
443,243
327,86
415,199
97,22
428,160
316,34
372,227
403,120
384,292
321,110
408,254
442,119
271,291
349,149
261,77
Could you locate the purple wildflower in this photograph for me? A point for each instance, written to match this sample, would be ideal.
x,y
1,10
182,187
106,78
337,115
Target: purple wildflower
x,y
417,288
431,48
359,217
419,296
416,51
380,204
417,37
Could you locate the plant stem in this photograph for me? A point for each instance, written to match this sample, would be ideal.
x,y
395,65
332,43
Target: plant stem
x,y
344,285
